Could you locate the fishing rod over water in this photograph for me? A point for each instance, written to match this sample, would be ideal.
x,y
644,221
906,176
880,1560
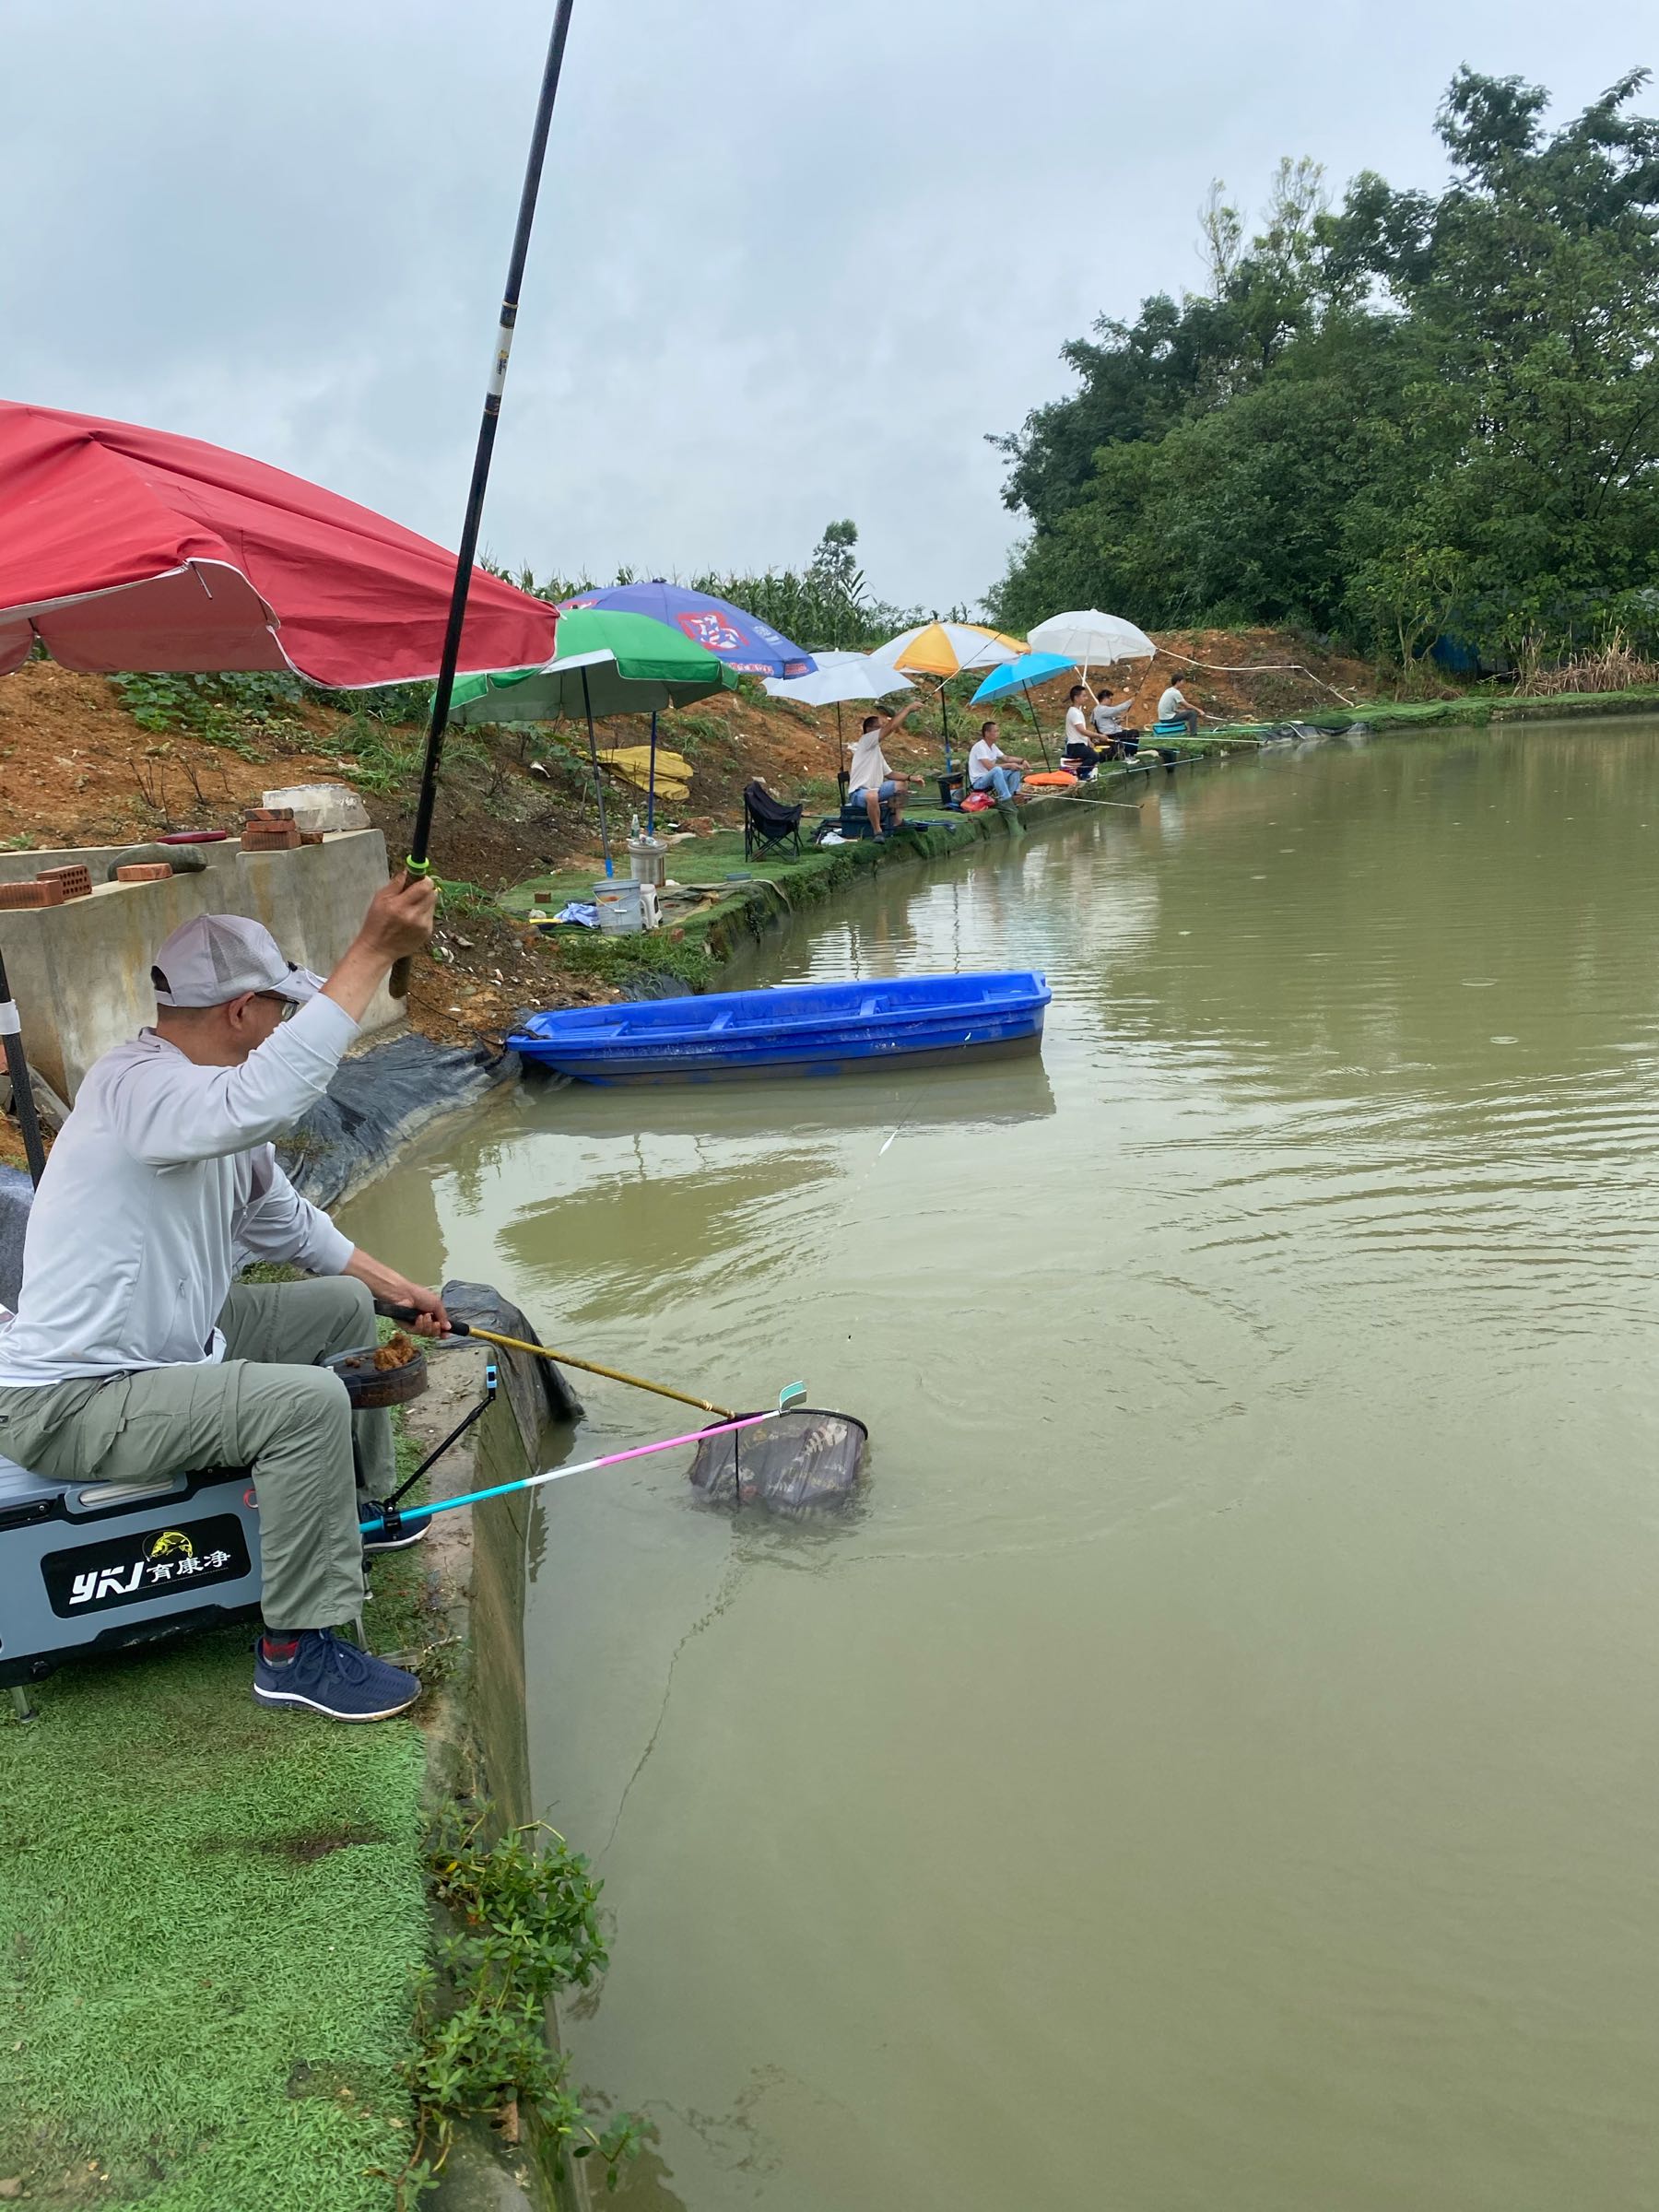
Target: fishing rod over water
x,y
544,1351
420,838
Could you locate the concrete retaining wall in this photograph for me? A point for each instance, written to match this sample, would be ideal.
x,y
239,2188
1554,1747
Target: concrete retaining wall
x,y
478,1743
80,972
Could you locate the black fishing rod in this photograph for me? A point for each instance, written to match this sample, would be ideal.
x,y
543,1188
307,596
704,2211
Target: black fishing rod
x,y
398,982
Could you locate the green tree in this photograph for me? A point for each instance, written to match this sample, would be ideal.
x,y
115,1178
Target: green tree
x,y
1414,411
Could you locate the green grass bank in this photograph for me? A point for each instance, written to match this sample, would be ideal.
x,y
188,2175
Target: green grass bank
x,y
212,1919
1474,710
217,1919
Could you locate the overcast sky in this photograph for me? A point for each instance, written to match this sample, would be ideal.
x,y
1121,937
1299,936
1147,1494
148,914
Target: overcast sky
x,y
793,259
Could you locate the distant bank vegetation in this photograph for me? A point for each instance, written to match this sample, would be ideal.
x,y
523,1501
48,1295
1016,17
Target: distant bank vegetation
x,y
1404,421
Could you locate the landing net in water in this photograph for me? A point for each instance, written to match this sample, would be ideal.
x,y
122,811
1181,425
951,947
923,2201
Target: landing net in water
x,y
807,1461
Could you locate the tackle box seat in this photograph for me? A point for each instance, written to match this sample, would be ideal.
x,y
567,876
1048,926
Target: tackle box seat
x,y
19,1486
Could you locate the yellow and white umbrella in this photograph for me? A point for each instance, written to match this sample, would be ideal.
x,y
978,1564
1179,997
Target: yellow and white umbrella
x,y
947,649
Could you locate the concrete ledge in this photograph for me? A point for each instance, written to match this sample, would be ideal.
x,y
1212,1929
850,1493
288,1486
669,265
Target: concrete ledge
x,y
80,972
476,1737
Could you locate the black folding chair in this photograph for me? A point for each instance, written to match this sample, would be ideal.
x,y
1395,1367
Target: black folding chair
x,y
769,826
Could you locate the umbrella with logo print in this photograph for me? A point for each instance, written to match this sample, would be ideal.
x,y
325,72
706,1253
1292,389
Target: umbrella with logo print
x,y
746,645
742,641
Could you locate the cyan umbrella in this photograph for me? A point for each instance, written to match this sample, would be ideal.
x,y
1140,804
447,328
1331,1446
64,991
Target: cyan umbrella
x,y
1017,676
603,664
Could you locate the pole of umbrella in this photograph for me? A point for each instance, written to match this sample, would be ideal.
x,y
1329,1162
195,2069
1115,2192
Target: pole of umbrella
x,y
1036,725
945,718
651,787
16,1067
398,982
598,779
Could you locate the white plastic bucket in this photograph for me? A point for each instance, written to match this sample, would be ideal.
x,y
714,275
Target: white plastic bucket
x,y
620,911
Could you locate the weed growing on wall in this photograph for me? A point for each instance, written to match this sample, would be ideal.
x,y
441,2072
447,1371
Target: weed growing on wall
x,y
526,1913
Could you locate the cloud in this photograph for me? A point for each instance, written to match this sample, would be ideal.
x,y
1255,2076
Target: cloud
x,y
793,260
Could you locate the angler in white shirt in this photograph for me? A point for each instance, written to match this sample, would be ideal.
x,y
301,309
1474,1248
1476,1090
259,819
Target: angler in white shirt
x,y
1077,754
870,779
133,1353
990,769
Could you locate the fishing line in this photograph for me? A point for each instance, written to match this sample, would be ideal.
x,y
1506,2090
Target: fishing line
x,y
1253,668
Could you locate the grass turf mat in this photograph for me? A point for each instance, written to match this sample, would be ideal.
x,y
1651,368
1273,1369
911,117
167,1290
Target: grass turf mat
x,y
210,1920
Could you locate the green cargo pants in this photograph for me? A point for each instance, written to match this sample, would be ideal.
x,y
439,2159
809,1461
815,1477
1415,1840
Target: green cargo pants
x,y
265,1407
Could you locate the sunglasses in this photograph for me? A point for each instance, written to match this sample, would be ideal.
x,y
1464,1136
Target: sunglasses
x,y
276,999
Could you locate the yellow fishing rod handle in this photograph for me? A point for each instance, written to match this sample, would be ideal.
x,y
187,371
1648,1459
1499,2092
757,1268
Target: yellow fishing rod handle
x,y
592,1366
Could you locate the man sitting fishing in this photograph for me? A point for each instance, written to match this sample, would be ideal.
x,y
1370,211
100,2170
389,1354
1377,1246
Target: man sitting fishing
x,y
1174,706
132,1356
990,769
871,779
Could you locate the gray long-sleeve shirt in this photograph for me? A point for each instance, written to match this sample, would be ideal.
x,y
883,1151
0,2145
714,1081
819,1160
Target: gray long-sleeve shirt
x,y
161,1183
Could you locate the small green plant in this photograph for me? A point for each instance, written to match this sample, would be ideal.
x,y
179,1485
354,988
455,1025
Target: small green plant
x,y
526,1921
687,733
404,705
627,961
375,761
457,899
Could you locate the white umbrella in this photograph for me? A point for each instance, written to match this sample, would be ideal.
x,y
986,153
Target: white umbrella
x,y
840,676
837,677
1088,636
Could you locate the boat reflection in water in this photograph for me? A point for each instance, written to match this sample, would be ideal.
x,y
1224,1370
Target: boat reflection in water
x,y
952,1092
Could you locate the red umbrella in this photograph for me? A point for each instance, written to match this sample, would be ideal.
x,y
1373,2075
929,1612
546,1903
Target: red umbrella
x,y
124,548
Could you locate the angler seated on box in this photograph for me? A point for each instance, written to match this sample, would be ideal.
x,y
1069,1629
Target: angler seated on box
x,y
132,1354
991,770
872,782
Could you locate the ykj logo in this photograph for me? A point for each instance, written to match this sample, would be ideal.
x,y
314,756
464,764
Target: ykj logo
x,y
109,1582
170,1556
147,1564
156,1563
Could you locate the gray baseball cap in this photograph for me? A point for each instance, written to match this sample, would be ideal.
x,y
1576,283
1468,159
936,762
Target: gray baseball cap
x,y
216,958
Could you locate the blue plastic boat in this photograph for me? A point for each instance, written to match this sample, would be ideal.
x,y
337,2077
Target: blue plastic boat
x,y
810,1029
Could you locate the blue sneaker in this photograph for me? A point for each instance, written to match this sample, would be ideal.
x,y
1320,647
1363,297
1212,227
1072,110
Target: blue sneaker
x,y
330,1675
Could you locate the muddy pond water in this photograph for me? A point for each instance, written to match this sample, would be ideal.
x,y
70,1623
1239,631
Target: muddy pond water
x,y
1214,1769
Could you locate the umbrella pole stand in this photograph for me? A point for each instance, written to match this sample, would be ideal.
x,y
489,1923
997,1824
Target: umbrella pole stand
x,y
598,777
1036,725
16,1067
